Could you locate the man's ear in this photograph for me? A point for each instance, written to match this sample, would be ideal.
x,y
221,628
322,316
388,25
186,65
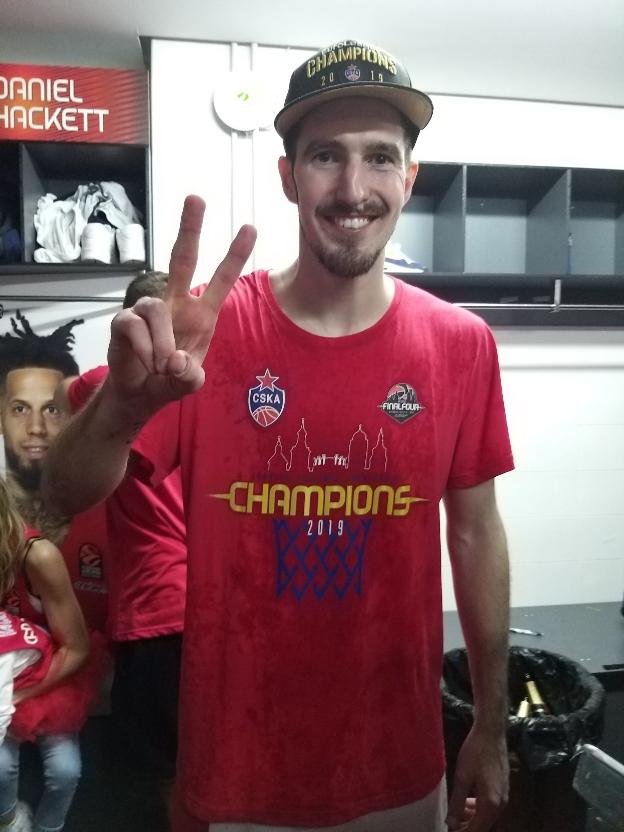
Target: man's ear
x,y
412,173
285,167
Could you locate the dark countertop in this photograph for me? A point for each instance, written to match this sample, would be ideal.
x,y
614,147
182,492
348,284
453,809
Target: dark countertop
x,y
591,634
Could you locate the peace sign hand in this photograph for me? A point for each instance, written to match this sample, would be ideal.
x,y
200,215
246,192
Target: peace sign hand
x,y
157,348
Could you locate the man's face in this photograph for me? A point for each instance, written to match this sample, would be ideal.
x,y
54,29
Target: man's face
x,y
31,421
350,180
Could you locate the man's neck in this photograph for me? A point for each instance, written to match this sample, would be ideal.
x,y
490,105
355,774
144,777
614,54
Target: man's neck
x,y
34,513
326,304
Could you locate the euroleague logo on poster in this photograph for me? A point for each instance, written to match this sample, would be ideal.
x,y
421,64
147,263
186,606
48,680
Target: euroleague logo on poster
x,y
266,400
90,558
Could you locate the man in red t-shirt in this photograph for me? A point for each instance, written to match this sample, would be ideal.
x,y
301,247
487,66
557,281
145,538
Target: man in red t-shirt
x,y
332,409
147,590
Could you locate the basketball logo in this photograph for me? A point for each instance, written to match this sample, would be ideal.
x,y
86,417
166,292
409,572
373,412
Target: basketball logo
x,y
265,415
266,400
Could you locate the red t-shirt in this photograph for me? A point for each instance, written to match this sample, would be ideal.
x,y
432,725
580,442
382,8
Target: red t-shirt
x,y
87,554
312,471
147,573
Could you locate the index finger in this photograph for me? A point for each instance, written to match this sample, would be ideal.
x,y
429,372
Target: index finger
x,y
229,269
186,247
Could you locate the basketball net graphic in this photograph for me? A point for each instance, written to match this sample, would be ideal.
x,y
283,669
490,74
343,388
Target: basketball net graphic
x,y
317,555
309,561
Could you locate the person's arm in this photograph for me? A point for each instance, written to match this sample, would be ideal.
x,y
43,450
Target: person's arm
x,y
50,581
478,552
155,357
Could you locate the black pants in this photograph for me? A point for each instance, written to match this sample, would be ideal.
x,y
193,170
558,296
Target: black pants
x,y
144,701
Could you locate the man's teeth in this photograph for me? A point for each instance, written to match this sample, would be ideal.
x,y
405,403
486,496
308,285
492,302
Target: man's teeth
x,y
351,222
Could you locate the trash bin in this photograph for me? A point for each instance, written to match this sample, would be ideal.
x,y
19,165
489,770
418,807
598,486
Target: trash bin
x,y
541,748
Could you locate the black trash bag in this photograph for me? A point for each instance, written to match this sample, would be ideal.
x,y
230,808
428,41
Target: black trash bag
x,y
574,698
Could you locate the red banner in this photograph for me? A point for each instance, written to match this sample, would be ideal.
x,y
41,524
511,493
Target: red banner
x,y
73,104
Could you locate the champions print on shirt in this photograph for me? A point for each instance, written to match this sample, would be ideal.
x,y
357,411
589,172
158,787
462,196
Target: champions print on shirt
x,y
322,503
266,401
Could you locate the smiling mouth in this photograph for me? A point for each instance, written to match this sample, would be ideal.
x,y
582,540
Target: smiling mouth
x,y
35,450
351,223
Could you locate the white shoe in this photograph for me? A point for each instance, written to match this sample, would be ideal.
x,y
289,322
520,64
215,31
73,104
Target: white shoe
x,y
22,822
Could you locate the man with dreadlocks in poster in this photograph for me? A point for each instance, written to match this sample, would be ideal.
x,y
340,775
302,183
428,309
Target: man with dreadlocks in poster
x,y
31,368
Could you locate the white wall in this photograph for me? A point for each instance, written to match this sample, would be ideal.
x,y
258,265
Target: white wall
x,y
562,506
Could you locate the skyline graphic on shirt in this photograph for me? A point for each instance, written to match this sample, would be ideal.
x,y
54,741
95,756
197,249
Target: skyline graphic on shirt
x,y
357,456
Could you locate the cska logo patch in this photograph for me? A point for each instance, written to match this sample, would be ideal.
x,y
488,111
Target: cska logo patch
x,y
266,401
352,72
401,402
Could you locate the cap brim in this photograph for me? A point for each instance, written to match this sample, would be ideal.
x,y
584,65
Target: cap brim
x,y
415,105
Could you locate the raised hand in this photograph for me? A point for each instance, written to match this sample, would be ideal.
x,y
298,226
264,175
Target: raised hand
x,y
157,348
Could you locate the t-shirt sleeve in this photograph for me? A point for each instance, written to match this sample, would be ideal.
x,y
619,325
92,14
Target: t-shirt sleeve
x,y
483,449
155,451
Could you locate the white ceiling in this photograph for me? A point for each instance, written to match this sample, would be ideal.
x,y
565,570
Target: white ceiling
x,y
557,50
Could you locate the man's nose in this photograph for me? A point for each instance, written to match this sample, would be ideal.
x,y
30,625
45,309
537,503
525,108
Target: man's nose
x,y
37,424
353,185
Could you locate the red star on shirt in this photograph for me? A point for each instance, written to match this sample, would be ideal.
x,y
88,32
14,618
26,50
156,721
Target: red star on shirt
x,y
267,380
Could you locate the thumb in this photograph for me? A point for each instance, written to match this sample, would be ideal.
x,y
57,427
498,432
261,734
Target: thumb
x,y
185,374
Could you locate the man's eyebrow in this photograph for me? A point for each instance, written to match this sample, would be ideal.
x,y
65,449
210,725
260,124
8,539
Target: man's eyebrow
x,y
389,148
321,144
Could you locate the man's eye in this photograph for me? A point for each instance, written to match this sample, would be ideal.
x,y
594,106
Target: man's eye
x,y
324,157
52,410
382,159
19,408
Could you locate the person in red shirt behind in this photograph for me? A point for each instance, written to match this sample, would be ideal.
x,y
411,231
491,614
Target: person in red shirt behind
x,y
146,590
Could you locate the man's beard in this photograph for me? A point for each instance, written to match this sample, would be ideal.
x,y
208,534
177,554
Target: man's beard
x,y
347,260
27,474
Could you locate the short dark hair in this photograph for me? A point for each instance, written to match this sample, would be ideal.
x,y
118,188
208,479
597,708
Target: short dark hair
x,y
26,349
146,284
290,139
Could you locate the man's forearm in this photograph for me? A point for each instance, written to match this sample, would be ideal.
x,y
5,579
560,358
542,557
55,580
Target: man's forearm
x,y
88,459
481,579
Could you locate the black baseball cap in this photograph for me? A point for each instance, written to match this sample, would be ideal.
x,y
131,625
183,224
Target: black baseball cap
x,y
352,68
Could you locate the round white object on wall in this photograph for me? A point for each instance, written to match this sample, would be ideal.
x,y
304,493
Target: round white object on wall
x,y
242,101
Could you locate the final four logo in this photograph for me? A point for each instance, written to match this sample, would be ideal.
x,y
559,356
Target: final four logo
x,y
266,401
401,402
